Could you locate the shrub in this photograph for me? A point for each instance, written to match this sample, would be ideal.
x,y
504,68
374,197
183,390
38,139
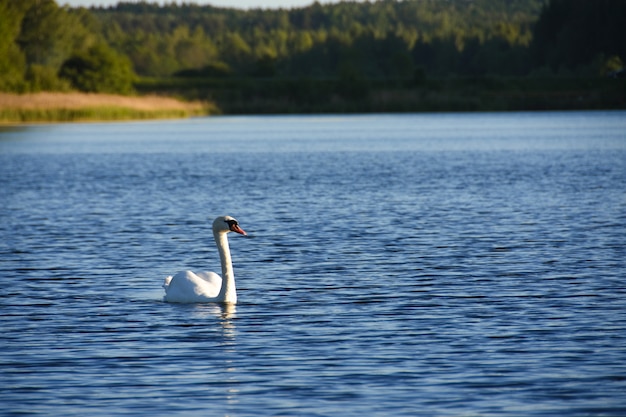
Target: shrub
x,y
99,70
40,78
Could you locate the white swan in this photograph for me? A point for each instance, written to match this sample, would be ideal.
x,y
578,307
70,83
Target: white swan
x,y
205,287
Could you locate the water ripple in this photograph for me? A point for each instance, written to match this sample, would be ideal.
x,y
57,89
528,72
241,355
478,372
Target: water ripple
x,y
401,268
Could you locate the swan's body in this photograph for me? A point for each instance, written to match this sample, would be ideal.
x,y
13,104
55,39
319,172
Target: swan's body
x,y
206,287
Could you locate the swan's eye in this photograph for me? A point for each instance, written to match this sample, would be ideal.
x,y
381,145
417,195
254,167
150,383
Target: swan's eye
x,y
233,226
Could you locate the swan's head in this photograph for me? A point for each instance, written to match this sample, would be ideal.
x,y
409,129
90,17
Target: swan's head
x,y
225,224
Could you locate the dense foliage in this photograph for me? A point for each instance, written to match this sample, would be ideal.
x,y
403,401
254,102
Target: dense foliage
x,y
574,34
44,46
379,39
41,45
98,69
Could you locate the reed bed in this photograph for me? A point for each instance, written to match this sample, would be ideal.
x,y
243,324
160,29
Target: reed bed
x,y
73,107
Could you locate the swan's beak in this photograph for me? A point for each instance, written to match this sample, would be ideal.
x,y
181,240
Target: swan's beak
x,y
235,228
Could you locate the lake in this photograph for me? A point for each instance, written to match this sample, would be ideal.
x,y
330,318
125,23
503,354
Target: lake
x,y
396,265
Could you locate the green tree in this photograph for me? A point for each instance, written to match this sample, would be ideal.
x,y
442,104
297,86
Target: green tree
x,y
236,51
572,34
100,70
12,61
49,34
316,40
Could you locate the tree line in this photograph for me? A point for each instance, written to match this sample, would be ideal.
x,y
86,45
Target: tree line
x,y
45,46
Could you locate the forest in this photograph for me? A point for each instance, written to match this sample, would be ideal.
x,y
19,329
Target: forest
x,y
384,55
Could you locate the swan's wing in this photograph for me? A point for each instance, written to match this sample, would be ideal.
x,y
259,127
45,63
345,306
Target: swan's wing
x,y
189,287
210,277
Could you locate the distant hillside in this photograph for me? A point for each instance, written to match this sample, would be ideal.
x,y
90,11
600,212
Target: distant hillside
x,y
384,55
378,39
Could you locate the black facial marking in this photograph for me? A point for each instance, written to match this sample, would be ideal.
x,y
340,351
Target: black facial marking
x,y
231,223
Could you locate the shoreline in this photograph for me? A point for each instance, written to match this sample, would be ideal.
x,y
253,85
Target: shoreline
x,y
57,107
278,95
275,96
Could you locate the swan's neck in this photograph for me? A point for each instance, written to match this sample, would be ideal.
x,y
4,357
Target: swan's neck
x,y
228,292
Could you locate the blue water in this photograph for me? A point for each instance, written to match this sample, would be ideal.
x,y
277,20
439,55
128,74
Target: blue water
x,y
396,265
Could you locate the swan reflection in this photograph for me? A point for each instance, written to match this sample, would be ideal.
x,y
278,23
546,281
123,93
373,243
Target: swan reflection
x,y
225,347
225,313
227,316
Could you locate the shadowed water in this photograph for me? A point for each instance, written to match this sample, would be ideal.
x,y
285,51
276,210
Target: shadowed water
x,y
439,265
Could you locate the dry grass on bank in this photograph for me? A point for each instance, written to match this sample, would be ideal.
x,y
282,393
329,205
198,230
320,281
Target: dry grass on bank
x,y
68,107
